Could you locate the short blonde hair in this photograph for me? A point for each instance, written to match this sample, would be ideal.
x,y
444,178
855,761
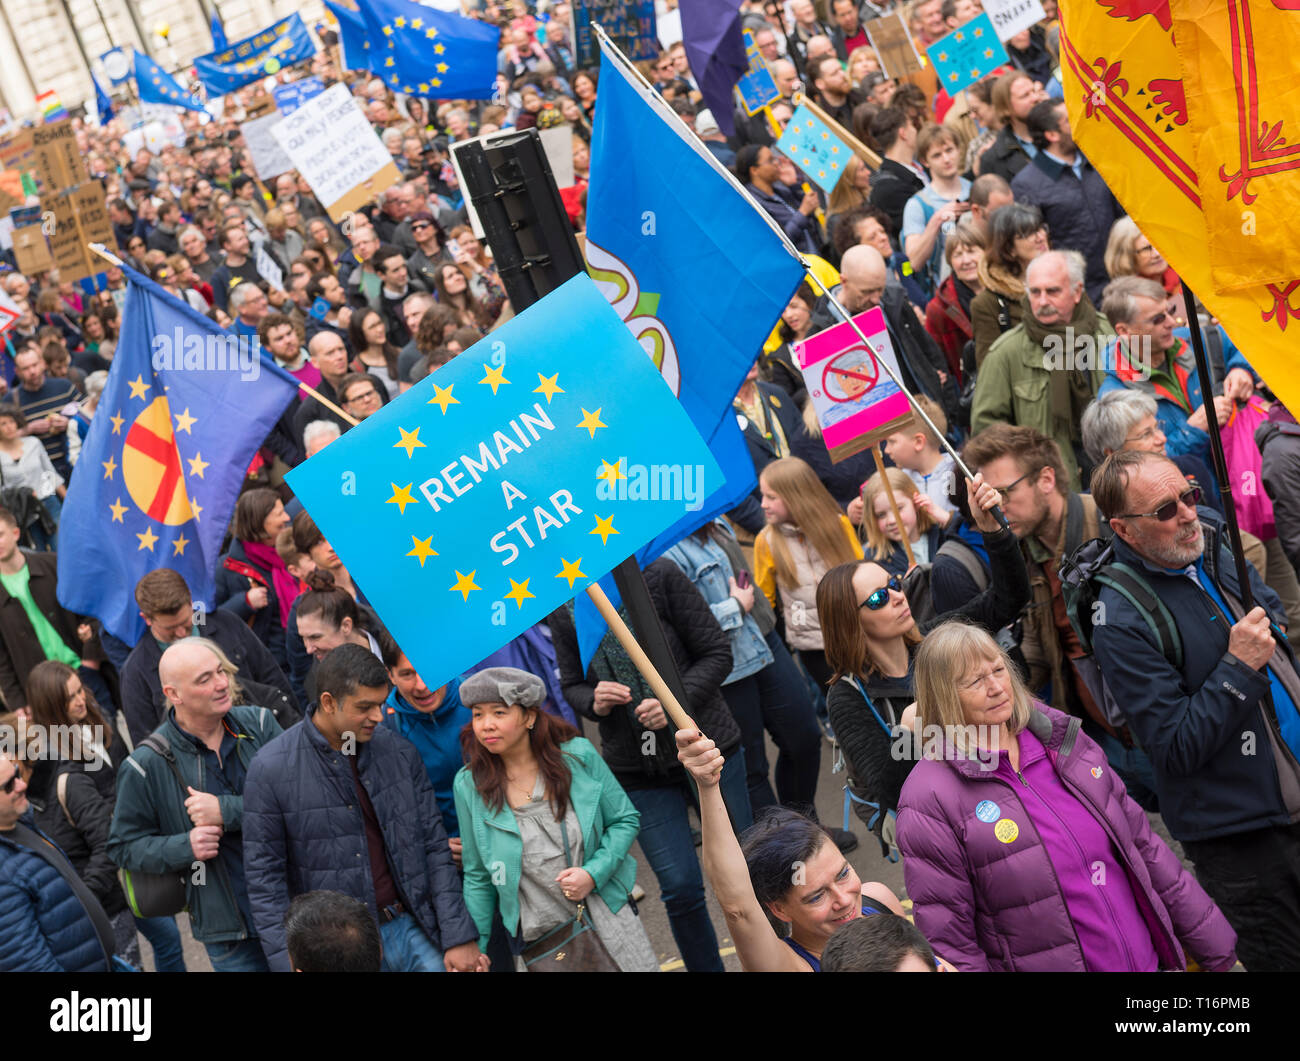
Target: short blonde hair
x,y
904,488
946,658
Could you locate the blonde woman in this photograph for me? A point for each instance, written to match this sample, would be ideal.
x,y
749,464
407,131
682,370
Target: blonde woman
x,y
922,522
1129,253
806,535
1024,851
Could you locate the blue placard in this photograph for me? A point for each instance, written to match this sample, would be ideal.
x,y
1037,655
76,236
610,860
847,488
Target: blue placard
x,y
266,52
757,87
497,488
288,98
810,145
319,309
967,54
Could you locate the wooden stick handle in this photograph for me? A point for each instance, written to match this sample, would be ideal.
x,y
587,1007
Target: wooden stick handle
x,y
642,662
327,403
893,504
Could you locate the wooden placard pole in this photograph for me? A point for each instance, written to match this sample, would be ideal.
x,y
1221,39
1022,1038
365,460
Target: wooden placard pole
x,y
639,658
893,505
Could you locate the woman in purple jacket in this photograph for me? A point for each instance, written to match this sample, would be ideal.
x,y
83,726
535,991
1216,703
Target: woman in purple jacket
x,y
1022,849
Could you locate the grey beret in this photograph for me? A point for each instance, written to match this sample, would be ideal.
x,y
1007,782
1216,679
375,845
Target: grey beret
x,y
503,685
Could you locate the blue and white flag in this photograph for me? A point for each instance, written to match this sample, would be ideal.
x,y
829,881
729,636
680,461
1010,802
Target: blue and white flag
x,y
266,52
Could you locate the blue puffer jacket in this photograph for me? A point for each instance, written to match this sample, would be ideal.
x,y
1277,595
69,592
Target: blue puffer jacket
x,y
1192,724
43,926
304,831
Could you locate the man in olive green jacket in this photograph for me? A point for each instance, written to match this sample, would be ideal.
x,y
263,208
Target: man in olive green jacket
x,y
1044,371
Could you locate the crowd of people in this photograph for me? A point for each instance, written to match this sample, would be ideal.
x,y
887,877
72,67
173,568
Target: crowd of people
x,y
1017,708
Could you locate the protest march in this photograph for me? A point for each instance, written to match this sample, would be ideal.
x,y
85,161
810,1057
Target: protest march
x,y
629,486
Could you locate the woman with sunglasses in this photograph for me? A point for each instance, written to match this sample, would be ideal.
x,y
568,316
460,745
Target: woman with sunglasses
x,y
871,642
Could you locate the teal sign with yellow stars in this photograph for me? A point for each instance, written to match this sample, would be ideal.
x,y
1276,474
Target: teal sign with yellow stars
x,y
968,54
497,488
810,145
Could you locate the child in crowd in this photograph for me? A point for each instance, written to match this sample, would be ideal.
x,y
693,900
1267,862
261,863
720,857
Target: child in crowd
x,y
919,452
921,522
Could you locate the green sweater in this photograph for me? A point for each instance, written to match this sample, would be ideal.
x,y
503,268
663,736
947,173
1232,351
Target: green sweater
x,y
492,855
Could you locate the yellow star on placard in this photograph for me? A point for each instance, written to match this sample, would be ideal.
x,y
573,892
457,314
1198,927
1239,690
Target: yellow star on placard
x,y
402,497
422,548
591,421
959,36
117,422
519,592
197,464
442,398
147,539
943,57
179,545
184,421
977,32
410,441
494,377
138,387
610,472
465,584
572,571
604,527
548,386
117,509
110,466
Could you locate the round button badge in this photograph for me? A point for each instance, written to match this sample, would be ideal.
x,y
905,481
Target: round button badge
x,y
987,811
1006,830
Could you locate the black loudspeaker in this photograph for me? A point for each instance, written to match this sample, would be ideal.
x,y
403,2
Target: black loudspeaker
x,y
509,181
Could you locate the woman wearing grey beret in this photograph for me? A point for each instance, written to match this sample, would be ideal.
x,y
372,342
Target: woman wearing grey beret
x,y
546,828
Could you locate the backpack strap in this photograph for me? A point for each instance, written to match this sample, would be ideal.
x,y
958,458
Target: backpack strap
x,y
1129,584
1073,523
61,789
159,744
958,550
853,681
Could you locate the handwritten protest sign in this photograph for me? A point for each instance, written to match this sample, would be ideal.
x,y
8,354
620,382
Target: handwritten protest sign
x,y
58,158
856,400
893,45
498,487
269,158
333,145
1012,16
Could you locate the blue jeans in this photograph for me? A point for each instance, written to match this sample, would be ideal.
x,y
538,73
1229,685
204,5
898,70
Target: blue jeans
x,y
667,844
165,938
407,949
237,956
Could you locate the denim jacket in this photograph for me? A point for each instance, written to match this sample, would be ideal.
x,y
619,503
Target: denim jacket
x,y
706,565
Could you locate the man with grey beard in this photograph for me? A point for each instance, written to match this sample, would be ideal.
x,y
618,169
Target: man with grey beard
x,y
1221,729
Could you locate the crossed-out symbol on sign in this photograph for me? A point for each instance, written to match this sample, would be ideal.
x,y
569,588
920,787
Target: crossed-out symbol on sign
x,y
855,372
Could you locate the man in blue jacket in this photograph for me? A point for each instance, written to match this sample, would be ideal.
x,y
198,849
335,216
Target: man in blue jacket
x,y
340,803
1222,732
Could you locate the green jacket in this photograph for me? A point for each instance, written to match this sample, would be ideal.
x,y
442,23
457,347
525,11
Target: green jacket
x,y
492,855
1012,387
150,829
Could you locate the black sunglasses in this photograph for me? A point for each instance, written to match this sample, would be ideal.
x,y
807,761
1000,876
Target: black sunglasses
x,y
8,787
1191,498
879,598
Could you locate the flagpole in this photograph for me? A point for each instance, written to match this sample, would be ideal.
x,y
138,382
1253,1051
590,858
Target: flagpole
x,y
109,256
1216,448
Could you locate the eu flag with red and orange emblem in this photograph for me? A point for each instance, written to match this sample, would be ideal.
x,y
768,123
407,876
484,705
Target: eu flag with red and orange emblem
x,y
186,406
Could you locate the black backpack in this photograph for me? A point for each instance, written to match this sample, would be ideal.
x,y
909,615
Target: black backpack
x,y
1084,573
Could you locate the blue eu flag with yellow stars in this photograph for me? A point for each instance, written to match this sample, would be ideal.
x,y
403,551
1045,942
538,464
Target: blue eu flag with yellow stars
x,y
810,145
423,52
155,85
500,486
186,406
352,37
967,54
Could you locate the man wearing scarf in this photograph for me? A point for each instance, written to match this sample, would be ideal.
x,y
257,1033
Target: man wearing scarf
x,y
1044,371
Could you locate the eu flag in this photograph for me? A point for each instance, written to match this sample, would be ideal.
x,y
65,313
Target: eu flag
x,y
155,85
103,102
219,41
698,274
352,37
424,52
185,408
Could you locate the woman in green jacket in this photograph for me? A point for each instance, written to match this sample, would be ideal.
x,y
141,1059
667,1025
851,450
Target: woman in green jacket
x,y
545,826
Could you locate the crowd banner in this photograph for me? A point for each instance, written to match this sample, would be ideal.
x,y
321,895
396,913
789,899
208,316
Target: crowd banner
x,y
266,52
1010,17
967,54
630,24
335,148
1170,107
288,98
858,404
496,488
161,466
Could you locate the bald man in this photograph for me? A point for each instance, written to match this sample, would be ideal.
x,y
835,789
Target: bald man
x,y
863,286
180,799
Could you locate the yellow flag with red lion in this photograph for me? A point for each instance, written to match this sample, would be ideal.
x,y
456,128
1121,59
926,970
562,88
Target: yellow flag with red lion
x,y
1190,109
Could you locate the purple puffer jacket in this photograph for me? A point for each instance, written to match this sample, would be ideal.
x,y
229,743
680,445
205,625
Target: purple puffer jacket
x,y
988,905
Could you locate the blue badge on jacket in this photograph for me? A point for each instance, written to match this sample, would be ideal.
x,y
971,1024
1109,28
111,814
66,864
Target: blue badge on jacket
x,y
988,811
